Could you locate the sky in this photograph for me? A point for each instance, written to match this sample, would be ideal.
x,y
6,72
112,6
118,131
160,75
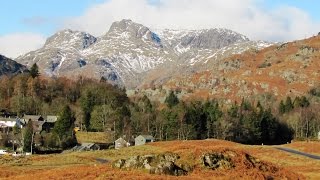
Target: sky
x,y
25,25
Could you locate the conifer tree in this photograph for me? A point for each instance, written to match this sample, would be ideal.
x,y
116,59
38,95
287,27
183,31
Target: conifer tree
x,y
34,71
171,100
27,137
64,124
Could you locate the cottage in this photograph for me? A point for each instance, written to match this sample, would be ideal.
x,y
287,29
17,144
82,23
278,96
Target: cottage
x,y
49,123
8,122
37,126
86,147
143,139
33,117
51,119
26,118
121,143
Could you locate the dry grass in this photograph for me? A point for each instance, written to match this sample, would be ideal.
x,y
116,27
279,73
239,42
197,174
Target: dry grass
x,y
94,137
83,165
312,147
303,165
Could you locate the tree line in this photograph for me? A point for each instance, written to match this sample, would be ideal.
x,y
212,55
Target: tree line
x,y
98,106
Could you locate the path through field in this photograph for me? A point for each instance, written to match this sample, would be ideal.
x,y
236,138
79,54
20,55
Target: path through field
x,y
299,153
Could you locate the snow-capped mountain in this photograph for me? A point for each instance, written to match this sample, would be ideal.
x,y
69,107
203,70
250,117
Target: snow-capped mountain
x,y
129,53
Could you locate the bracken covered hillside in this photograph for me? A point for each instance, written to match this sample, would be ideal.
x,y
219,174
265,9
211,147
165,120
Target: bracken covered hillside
x,y
289,69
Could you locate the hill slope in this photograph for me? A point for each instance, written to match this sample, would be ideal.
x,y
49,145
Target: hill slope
x,y
280,70
9,67
250,162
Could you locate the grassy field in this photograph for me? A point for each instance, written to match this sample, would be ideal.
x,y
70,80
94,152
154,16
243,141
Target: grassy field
x,y
84,165
94,137
312,147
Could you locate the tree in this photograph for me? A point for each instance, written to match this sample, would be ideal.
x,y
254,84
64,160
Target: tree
x,y
87,102
34,71
64,125
282,107
171,100
289,105
213,114
304,102
28,137
102,117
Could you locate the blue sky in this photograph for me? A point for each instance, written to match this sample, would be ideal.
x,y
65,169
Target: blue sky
x,y
43,16
25,24
310,6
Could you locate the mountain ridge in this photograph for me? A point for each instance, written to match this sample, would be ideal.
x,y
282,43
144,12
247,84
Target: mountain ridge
x,y
127,52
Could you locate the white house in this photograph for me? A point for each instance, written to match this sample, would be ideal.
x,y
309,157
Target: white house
x,y
7,122
143,139
121,143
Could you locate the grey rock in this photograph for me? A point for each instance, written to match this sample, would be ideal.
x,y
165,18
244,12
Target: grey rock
x,y
217,161
129,54
155,164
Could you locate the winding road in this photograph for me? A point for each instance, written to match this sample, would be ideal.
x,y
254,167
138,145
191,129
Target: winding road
x,y
299,153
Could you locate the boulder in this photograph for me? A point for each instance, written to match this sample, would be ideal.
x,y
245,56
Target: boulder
x,y
155,164
217,161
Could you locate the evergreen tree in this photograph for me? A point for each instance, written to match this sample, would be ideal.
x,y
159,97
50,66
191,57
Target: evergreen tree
x,y
34,71
87,102
27,137
213,114
289,105
171,100
304,102
64,125
282,107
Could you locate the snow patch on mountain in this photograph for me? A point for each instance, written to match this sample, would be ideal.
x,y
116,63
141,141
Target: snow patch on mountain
x,y
129,51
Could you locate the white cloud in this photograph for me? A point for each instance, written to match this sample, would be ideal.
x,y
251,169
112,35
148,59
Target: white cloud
x,y
13,45
248,17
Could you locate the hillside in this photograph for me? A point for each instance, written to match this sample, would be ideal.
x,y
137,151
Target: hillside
x,y
269,163
289,69
9,67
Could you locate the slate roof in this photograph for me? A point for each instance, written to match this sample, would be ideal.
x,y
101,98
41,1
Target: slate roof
x,y
51,119
147,137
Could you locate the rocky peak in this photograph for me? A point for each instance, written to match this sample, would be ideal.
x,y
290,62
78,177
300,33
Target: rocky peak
x,y
128,29
70,39
201,39
213,39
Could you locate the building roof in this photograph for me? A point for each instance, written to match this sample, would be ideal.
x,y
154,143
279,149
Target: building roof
x,y
8,122
32,117
37,125
51,119
84,146
120,140
147,136
8,119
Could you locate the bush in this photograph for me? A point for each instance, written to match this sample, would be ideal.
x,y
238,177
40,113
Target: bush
x,y
51,141
69,142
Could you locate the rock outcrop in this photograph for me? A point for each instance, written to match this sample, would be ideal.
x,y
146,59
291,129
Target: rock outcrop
x,y
155,164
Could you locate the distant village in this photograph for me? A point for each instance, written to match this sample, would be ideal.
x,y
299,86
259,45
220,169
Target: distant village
x,y
45,124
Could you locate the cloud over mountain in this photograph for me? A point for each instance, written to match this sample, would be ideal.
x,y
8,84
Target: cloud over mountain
x,y
13,45
248,17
